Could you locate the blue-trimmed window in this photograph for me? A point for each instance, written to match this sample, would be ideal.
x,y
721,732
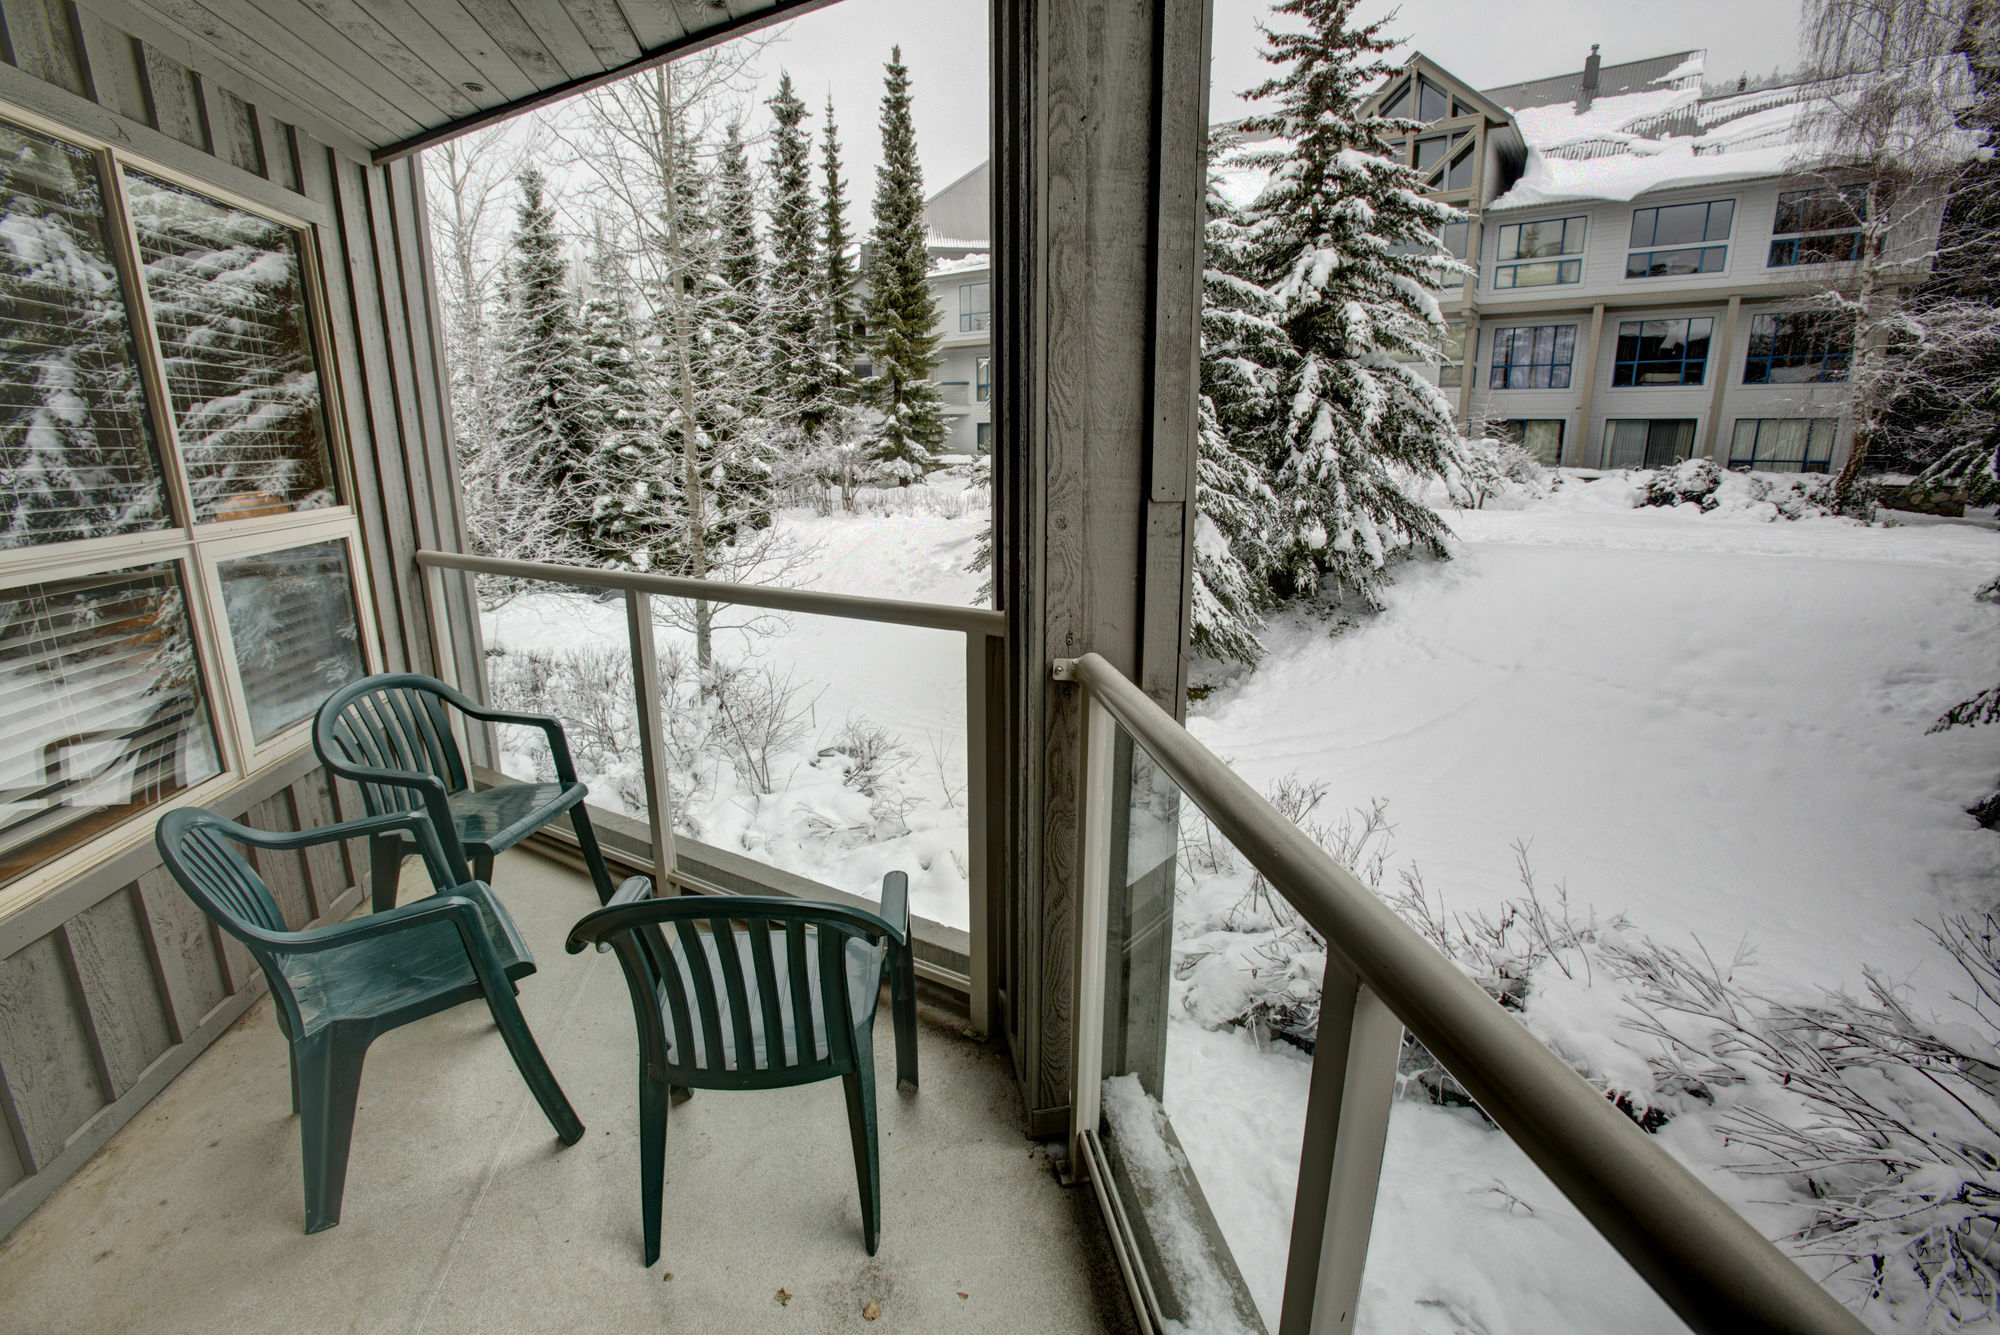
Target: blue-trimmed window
x,y
975,309
1677,239
1533,357
982,379
1798,348
1784,444
1530,254
1818,226
1662,352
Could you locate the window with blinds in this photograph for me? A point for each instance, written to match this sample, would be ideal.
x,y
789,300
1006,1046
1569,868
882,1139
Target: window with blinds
x,y
77,454
229,307
292,626
161,371
99,680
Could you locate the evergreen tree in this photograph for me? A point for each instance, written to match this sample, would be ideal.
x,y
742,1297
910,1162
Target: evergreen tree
x,y
837,279
740,262
802,372
542,433
1345,243
902,312
1232,500
632,475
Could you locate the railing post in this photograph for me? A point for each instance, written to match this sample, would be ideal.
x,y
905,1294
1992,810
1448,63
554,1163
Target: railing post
x,y
1093,871
1340,1159
652,748
980,745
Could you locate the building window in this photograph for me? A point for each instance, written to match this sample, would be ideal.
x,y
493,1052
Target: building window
x,y
1818,226
1456,239
1798,348
1639,443
982,379
1430,102
982,436
1529,254
1783,444
1533,357
1451,355
1539,436
974,306
1459,175
1673,240
179,565
1662,352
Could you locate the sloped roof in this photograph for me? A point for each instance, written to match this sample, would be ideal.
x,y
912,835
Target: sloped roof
x,y
1634,76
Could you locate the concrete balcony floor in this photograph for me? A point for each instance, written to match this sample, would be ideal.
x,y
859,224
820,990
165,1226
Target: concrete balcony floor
x,y
463,1212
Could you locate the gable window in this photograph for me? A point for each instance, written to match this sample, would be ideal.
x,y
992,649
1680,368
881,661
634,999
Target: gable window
x,y
982,379
1648,443
1397,104
1458,176
1419,99
1662,352
179,565
1533,357
1783,444
1677,239
1818,226
1798,348
974,306
1530,254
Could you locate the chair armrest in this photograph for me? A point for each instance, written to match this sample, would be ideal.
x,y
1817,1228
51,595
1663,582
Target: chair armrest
x,y
550,726
896,904
449,866
414,823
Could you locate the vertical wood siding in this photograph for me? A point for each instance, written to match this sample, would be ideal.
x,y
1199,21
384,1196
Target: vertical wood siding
x,y
112,983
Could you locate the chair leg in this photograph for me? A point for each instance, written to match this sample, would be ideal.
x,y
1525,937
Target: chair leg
x,y
593,856
533,1067
903,1011
860,1089
482,865
292,1058
385,868
653,1104
329,1068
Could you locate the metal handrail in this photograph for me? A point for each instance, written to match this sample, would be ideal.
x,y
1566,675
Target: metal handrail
x,y
896,611
1704,1259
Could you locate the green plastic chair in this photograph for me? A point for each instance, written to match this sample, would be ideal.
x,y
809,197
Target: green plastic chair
x,y
339,988
759,992
390,734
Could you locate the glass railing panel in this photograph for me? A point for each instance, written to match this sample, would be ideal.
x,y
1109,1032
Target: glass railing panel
x,y
828,747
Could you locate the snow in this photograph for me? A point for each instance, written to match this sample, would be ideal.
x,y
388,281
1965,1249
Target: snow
x,y
1713,724
963,264
1608,117
1627,176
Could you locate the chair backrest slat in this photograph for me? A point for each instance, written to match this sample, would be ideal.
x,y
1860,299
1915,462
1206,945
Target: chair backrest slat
x,y
742,1038
805,1043
833,990
393,723
216,876
666,978
693,958
769,997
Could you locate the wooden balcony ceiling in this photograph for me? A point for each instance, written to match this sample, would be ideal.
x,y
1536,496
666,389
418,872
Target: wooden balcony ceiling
x,y
397,75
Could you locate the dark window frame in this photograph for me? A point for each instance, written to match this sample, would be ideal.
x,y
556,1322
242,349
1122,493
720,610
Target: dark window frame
x,y
1805,464
1556,370
1798,241
1817,329
1626,370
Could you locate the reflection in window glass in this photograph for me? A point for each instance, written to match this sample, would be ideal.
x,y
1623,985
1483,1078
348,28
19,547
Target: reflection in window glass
x,y
292,625
1398,103
1662,352
1533,242
77,453
1533,357
1432,102
1818,226
1430,152
1459,175
228,302
1798,348
1643,443
104,705
1783,444
1539,436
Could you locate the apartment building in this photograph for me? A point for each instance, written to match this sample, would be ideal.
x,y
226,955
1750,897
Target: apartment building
x,y
1645,254
961,277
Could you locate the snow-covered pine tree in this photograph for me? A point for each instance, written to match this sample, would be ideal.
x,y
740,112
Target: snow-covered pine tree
x,y
803,372
837,274
1345,242
541,434
632,483
902,312
1233,501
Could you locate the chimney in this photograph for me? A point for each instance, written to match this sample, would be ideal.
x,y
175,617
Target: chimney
x,y
1586,94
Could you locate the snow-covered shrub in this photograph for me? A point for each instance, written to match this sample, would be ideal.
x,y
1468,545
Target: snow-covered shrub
x,y
1691,481
876,797
1885,1121
1493,468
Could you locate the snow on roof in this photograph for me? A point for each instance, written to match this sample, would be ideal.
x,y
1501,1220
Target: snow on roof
x,y
963,264
1626,176
937,242
1613,117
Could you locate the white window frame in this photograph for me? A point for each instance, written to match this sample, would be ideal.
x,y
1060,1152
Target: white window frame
x,y
196,549
1561,260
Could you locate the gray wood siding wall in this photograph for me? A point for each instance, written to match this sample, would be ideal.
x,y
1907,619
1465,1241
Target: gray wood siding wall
x,y
112,983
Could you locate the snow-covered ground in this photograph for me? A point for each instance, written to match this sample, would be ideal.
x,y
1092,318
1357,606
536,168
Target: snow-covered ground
x,y
1712,724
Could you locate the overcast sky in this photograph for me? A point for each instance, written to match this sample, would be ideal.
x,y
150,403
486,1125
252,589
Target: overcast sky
x,y
840,50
